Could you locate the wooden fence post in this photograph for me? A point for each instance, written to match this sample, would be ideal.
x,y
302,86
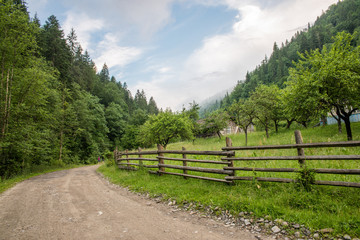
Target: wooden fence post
x,y
299,140
184,162
116,155
140,156
231,162
127,156
161,161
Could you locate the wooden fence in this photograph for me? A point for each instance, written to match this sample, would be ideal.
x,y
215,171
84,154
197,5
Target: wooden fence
x,y
223,162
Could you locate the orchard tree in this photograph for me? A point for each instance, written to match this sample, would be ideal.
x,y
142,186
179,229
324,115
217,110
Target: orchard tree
x,y
215,123
166,126
329,80
242,113
265,100
286,113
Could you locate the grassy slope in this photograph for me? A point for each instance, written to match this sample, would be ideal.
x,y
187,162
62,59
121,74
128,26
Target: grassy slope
x,y
324,207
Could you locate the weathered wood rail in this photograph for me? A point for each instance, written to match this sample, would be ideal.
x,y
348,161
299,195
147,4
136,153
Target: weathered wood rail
x,y
223,162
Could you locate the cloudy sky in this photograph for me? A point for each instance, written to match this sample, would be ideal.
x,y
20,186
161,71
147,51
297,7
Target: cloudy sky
x,y
180,50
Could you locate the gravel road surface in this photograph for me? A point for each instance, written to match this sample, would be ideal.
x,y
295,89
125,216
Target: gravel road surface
x,y
80,204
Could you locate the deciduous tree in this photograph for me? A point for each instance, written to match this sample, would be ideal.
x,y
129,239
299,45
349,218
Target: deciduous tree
x,y
243,113
166,126
329,80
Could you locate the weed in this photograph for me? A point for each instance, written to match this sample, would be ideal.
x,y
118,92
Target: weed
x,y
305,179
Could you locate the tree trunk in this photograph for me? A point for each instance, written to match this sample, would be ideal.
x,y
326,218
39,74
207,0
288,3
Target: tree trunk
x,y
346,117
289,122
267,131
339,125
304,124
348,128
276,125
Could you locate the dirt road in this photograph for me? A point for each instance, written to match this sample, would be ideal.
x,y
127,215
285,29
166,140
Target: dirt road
x,y
80,204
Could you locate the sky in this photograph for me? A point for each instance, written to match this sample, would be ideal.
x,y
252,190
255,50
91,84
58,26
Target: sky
x,y
180,51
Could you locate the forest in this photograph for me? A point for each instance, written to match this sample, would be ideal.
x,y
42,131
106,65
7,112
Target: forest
x,y
56,107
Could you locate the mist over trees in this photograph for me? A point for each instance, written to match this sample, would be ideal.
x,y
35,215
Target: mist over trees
x,y
316,73
274,69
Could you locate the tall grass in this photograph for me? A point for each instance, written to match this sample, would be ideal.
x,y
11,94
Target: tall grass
x,y
323,207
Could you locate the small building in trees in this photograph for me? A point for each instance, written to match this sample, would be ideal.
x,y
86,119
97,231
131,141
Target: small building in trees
x,y
331,117
232,128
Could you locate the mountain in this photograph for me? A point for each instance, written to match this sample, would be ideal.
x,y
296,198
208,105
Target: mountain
x,y
343,16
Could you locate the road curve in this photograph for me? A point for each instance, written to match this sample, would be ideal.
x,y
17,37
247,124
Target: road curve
x,y
80,204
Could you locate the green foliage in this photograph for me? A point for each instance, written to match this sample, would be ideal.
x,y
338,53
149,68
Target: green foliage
x,y
116,118
328,80
26,94
131,138
305,179
214,123
152,107
54,108
164,127
242,113
109,158
266,103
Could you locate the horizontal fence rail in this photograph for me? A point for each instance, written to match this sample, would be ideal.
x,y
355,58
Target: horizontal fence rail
x,y
302,145
328,157
213,165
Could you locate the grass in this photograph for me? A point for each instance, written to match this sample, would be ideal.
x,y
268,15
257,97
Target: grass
x,y
323,207
34,171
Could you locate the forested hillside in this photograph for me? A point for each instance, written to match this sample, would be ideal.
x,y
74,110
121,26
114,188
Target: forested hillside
x,y
55,107
343,16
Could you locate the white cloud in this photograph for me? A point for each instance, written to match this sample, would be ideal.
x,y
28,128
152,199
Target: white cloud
x,y
164,69
144,17
224,59
163,88
113,54
84,27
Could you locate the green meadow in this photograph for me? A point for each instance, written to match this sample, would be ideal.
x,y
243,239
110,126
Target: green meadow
x,y
322,207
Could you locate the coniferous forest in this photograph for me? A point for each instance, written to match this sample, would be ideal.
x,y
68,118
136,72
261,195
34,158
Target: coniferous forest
x,y
56,107
274,69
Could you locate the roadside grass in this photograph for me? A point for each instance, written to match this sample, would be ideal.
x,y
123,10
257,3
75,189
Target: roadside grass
x,y
34,171
323,207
